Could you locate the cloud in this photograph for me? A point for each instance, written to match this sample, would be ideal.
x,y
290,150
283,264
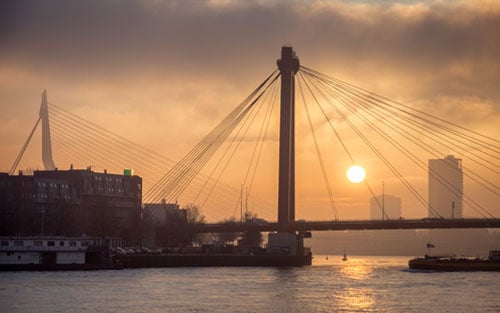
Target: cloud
x,y
424,48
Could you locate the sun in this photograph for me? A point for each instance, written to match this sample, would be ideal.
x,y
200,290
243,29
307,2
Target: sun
x,y
356,174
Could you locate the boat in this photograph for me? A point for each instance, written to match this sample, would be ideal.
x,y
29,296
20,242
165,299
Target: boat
x,y
50,253
345,257
441,263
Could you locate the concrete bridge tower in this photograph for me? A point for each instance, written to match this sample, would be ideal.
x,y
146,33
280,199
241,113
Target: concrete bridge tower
x,y
288,66
286,241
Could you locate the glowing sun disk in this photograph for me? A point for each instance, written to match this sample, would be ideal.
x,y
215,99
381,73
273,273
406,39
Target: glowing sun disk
x,y
356,174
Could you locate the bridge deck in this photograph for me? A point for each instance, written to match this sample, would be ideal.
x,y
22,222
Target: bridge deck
x,y
354,225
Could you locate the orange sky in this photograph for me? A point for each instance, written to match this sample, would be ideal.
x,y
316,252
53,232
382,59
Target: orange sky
x,y
163,73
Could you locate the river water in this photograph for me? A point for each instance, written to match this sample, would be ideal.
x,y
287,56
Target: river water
x,y
361,284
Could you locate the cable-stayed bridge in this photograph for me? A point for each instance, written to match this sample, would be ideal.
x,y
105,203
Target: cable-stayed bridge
x,y
231,165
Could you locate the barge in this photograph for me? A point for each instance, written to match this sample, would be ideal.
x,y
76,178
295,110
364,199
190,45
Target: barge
x,y
436,263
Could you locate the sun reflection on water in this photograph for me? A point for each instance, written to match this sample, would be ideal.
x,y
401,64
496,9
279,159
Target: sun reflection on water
x,y
356,299
360,297
355,269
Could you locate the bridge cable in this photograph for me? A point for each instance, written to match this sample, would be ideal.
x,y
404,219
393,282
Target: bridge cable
x,y
23,149
435,175
93,143
438,177
305,79
403,150
434,138
237,135
200,160
403,180
396,104
198,157
320,157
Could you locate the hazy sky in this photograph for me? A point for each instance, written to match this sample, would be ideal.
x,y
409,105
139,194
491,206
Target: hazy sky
x,y
163,73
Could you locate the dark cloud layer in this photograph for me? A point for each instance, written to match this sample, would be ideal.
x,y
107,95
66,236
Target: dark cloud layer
x,y
125,37
418,51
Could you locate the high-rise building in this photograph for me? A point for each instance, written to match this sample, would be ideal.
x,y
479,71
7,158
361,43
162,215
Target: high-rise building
x,y
445,187
384,207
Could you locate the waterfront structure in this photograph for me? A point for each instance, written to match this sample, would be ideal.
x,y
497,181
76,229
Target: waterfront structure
x,y
159,213
33,205
384,207
54,253
71,203
162,222
445,187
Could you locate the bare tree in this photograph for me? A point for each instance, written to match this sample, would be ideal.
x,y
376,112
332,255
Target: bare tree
x,y
193,214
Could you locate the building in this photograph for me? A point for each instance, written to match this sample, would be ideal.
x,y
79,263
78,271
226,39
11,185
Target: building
x,y
159,213
71,203
384,207
31,205
445,187
163,222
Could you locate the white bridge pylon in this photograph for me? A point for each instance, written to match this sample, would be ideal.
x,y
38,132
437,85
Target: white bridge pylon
x,y
48,161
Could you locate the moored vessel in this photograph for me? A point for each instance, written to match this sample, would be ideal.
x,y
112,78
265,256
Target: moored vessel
x,y
438,263
48,253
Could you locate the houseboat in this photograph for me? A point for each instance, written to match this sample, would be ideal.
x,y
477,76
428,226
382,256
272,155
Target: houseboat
x,y
54,253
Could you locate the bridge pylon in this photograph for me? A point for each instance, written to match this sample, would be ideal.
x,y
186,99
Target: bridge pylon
x,y
48,161
287,241
288,66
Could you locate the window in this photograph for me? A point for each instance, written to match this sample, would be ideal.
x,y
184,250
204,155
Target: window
x,y
61,243
72,243
4,243
51,243
38,243
18,243
85,243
